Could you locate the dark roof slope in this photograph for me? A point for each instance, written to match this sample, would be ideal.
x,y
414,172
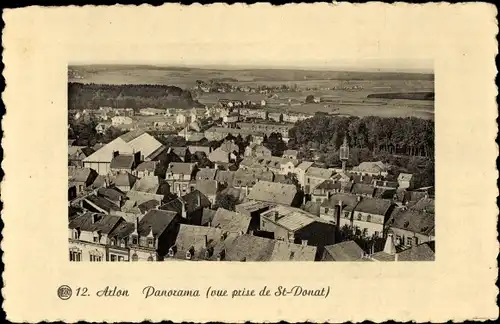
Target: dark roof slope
x,y
156,220
105,223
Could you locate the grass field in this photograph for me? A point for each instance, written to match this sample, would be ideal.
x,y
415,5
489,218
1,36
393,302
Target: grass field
x,y
353,103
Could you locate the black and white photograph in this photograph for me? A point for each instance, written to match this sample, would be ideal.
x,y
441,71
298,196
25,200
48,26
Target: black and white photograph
x,y
251,163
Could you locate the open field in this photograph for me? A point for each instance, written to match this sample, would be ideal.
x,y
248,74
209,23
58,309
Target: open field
x,y
344,102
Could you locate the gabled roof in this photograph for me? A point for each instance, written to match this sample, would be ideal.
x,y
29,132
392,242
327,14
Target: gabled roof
x,y
329,185
305,165
243,178
291,218
421,252
291,153
151,184
231,221
349,201
207,217
125,180
102,203
192,201
206,174
134,141
181,168
345,251
284,251
371,167
105,223
363,189
122,162
279,193
229,146
146,166
113,194
373,206
419,218
207,187
123,230
139,197
148,205
180,151
319,172
223,176
81,174
157,221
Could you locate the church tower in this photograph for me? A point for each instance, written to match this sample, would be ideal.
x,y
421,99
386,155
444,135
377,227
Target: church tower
x,y
344,154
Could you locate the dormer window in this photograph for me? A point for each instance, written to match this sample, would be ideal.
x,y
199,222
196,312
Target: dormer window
x,y
113,241
123,243
221,255
135,240
172,251
150,242
188,255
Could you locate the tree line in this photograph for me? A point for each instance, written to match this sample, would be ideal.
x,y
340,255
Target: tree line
x,y
136,96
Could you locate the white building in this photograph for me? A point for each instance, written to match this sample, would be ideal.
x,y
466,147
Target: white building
x,y
121,120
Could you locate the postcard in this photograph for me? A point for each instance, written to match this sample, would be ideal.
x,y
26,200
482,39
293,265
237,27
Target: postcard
x,y
312,162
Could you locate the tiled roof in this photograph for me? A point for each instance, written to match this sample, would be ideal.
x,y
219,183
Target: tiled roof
x,y
146,166
345,251
373,206
363,189
383,256
206,174
291,153
291,218
125,180
383,193
148,205
231,221
243,178
193,201
156,220
421,252
105,223
180,168
229,147
207,216
419,218
329,185
113,194
273,192
100,181
180,151
122,162
81,174
305,165
250,248
284,251
123,230
139,197
132,135
102,203
319,172
207,187
252,206
349,201
372,167
151,184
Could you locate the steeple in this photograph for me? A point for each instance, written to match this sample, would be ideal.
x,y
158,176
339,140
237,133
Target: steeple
x,y
344,154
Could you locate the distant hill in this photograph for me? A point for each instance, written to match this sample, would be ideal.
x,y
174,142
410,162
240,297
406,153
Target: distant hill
x,y
188,74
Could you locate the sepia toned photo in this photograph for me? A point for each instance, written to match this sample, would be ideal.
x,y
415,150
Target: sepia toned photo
x,y
250,164
293,158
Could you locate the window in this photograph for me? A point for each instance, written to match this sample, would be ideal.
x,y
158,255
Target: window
x,y
308,180
346,214
75,256
95,258
398,239
150,258
134,240
369,218
121,258
135,257
113,242
359,216
113,257
409,241
150,242
326,210
376,233
415,240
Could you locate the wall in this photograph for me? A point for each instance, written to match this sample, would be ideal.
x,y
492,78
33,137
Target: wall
x,y
404,234
102,168
317,234
87,249
376,224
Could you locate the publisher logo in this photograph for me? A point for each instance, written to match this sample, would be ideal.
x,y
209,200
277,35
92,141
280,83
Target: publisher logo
x,y
64,292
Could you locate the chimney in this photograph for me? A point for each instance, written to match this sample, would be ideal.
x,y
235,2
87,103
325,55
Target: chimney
x,y
246,191
198,199
396,257
183,209
209,224
304,242
358,198
206,242
389,246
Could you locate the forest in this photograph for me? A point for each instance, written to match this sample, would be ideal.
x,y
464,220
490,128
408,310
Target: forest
x,y
405,143
136,96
